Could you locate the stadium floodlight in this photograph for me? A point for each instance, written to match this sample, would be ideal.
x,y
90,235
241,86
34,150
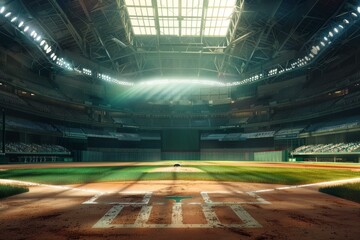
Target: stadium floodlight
x,y
26,28
32,33
42,43
46,47
358,9
48,50
318,48
322,44
8,14
52,55
346,21
326,39
336,30
54,58
354,14
341,26
21,24
2,9
13,19
331,34
38,38
311,55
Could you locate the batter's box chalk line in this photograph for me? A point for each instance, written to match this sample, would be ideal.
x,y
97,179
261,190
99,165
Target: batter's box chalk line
x,y
212,220
145,200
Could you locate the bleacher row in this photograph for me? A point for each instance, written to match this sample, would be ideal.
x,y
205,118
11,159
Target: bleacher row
x,y
34,148
52,110
289,133
64,113
328,148
13,123
83,132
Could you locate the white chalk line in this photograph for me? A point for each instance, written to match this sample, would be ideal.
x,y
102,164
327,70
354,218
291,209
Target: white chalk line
x,y
177,218
328,183
62,187
144,201
207,199
205,196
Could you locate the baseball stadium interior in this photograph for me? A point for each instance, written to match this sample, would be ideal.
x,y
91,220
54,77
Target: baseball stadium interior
x,y
228,79
251,86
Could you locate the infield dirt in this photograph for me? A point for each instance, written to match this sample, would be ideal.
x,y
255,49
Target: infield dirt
x,y
301,213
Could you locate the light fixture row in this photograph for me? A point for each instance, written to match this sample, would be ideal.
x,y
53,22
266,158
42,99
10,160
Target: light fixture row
x,y
31,33
308,58
45,46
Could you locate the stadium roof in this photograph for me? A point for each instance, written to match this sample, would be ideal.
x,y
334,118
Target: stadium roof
x,y
180,18
223,40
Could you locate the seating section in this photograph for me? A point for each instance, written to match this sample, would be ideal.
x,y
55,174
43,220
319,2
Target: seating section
x,y
126,136
13,122
266,134
71,131
328,148
58,111
97,133
12,99
34,148
334,125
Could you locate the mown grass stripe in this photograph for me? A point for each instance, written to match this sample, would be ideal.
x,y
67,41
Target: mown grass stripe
x,y
288,176
9,190
347,191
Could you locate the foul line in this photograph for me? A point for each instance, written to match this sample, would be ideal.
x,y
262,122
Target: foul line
x,y
17,182
9,181
352,180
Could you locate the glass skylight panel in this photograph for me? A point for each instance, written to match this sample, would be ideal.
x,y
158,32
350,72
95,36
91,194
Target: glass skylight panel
x,y
168,12
169,31
191,15
218,17
168,23
138,3
169,3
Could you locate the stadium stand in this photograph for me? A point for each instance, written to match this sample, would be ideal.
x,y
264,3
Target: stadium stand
x,y
15,123
34,148
335,125
96,133
9,98
212,137
266,134
71,131
328,148
289,133
126,136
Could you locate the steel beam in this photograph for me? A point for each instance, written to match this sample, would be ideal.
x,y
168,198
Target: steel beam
x,y
263,32
74,33
294,28
98,35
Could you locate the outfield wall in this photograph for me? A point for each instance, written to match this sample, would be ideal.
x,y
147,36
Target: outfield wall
x,y
203,155
124,155
226,155
271,156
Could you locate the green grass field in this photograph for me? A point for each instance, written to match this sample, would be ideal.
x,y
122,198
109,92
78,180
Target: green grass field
x,y
289,176
8,190
348,191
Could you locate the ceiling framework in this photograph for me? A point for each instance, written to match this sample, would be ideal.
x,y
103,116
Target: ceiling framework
x,y
190,37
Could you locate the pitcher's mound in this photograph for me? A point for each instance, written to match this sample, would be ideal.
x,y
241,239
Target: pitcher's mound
x,y
176,169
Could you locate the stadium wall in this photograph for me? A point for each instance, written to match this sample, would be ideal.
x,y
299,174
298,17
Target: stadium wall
x,y
126,155
273,156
